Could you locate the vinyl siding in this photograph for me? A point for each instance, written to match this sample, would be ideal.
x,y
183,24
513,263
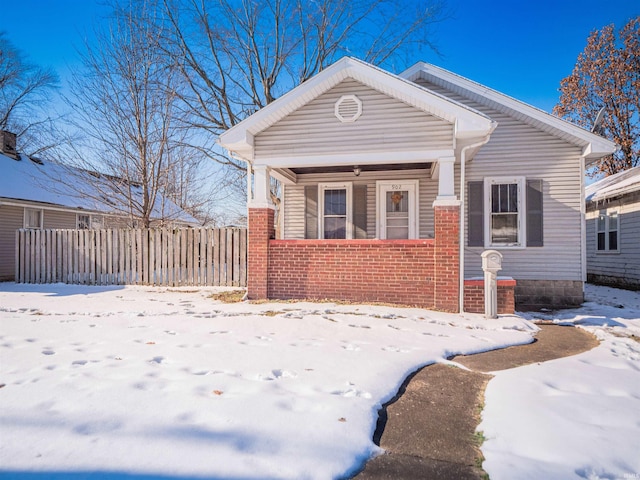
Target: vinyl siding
x,y
386,124
11,219
293,204
624,265
59,219
519,149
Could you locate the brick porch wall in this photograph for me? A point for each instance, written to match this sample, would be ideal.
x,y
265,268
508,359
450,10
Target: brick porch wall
x,y
447,257
474,296
260,232
392,271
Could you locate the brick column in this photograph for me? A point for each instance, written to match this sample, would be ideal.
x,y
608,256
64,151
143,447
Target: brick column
x,y
447,257
260,232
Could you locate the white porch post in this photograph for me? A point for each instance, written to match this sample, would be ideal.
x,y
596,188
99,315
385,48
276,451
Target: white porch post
x,y
261,187
446,185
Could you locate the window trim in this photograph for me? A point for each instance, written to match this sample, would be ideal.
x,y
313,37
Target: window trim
x,y
607,215
348,186
383,186
521,182
40,215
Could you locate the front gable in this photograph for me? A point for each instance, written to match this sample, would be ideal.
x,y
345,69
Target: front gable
x,y
385,124
467,123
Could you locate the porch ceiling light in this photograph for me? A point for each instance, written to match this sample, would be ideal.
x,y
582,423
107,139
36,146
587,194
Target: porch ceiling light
x,y
356,171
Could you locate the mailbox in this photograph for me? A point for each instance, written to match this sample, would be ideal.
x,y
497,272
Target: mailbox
x,y
491,261
491,265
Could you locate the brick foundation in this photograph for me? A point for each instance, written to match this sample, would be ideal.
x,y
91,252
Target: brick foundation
x,y
474,296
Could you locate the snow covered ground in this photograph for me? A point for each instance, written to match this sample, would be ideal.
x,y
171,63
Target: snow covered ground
x,y
575,417
154,383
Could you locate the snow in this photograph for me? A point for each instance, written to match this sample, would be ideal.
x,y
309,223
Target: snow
x,y
133,383
48,182
575,417
618,184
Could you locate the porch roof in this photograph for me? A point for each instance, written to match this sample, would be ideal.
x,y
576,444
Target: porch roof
x,y
469,123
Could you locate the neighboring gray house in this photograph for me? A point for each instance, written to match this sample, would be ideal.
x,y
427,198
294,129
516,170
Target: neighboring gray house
x,y
39,194
393,185
613,230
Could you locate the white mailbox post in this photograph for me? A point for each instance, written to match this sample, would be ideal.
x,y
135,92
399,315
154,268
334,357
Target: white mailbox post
x,y
491,265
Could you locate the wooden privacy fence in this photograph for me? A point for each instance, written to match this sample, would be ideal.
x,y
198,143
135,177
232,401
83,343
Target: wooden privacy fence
x,y
173,257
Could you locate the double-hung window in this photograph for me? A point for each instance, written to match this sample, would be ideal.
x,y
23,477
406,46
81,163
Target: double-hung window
x,y
607,232
506,204
32,218
335,207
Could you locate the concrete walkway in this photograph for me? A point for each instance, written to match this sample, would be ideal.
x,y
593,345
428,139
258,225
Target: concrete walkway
x,y
428,429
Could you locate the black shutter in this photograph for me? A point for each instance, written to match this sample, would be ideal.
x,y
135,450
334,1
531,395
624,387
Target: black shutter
x,y
359,211
535,231
475,215
311,211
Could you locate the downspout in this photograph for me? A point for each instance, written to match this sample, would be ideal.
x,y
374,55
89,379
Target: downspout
x,y
463,165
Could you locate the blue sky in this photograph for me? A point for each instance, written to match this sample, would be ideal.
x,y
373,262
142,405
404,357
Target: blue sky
x,y
522,48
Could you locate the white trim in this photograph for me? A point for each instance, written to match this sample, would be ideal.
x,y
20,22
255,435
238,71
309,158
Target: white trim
x,y
522,211
348,186
383,186
362,158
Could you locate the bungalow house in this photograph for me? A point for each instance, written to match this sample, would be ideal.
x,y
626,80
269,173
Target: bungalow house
x,y
613,229
38,194
394,185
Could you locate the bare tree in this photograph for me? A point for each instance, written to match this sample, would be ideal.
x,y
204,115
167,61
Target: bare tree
x,y
125,101
605,83
24,89
237,56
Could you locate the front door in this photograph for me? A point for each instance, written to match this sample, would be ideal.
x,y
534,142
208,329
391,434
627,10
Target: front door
x,y
397,209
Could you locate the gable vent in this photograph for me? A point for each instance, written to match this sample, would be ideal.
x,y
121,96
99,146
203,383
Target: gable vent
x,y
348,108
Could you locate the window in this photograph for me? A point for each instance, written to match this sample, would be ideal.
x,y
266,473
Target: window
x,y
335,207
607,228
83,222
505,212
32,218
397,209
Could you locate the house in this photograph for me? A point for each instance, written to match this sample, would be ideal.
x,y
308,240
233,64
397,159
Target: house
x,y
38,194
394,185
613,229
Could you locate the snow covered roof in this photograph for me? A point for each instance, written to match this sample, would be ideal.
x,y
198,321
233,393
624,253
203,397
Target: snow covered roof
x,y
35,180
616,185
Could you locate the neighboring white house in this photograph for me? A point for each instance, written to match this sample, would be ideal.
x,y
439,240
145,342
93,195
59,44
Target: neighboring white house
x,y
40,194
393,186
613,229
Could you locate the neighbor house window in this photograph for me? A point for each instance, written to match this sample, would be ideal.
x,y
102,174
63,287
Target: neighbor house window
x,y
32,218
505,204
607,232
83,222
335,207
